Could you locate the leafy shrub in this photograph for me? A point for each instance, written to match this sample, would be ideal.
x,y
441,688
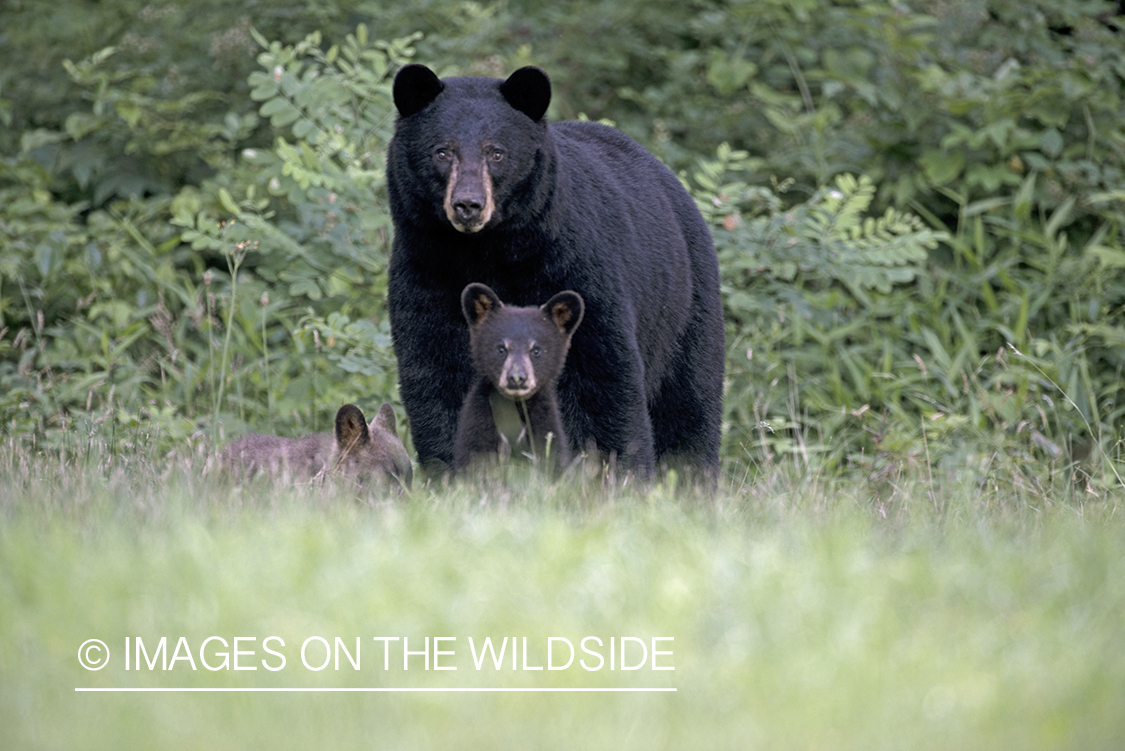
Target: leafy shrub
x,y
261,310
851,336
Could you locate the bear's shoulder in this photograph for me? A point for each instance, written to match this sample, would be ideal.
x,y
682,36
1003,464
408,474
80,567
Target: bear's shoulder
x,y
585,131
580,139
588,150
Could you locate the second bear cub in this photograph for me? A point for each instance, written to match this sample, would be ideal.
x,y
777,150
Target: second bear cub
x,y
357,450
518,354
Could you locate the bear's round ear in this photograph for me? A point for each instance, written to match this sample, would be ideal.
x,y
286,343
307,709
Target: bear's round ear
x,y
385,419
415,87
478,301
351,427
529,91
566,310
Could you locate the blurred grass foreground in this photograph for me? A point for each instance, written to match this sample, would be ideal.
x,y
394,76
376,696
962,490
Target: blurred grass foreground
x,y
801,614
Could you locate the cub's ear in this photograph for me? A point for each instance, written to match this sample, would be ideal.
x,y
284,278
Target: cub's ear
x,y
478,302
529,91
414,88
566,310
385,419
351,428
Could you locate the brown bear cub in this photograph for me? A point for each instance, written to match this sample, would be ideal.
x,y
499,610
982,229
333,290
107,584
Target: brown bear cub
x,y
518,354
357,450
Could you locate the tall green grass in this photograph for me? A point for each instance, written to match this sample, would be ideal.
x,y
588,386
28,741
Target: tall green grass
x,y
806,613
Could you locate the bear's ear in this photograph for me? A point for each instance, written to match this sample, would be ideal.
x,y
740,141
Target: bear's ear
x,y
385,419
351,428
478,301
529,91
415,87
565,310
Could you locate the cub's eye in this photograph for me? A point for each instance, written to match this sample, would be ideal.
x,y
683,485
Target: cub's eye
x,y
496,155
441,155
501,349
535,351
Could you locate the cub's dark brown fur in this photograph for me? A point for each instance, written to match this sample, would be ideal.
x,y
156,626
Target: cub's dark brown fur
x,y
518,354
356,450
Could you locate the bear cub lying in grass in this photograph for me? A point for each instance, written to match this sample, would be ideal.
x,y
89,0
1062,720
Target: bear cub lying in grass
x,y
356,450
518,354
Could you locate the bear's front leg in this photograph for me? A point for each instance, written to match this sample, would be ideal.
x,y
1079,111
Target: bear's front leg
x,y
435,368
603,398
476,428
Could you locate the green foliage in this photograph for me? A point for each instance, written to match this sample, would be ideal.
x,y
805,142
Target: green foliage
x,y
816,88
244,310
851,336
195,243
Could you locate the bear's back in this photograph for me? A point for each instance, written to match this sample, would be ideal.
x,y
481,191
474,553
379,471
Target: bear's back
x,y
630,199
593,150
288,458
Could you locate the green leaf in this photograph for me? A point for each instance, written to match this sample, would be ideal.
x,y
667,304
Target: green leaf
x,y
274,107
1060,217
1051,143
1021,205
227,201
729,74
942,166
1108,258
129,112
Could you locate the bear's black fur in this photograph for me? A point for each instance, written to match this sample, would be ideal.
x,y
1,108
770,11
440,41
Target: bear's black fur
x,y
518,354
482,188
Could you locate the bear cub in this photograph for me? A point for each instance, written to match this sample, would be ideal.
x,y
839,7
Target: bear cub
x,y
357,450
518,354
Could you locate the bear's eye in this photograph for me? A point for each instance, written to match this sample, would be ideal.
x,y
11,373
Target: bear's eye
x,y
535,352
501,349
441,155
496,155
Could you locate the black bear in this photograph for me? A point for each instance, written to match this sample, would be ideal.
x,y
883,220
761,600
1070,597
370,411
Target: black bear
x,y
356,451
483,188
518,354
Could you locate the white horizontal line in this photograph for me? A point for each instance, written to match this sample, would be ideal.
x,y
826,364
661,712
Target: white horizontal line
x,y
294,689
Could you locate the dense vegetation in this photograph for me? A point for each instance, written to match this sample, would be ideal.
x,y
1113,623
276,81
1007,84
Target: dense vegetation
x,y
919,209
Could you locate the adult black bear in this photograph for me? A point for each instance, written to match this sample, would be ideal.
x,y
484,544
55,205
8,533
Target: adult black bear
x,y
482,188
518,354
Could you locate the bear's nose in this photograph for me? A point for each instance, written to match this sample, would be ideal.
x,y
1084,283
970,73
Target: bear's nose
x,y
467,210
517,378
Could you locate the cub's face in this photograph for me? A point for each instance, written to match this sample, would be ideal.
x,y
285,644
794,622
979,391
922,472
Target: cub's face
x,y
519,350
370,451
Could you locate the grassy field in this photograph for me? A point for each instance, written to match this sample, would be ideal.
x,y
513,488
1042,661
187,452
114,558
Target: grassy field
x,y
804,614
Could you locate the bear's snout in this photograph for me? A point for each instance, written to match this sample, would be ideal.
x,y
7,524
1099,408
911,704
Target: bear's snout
x,y
467,210
468,196
517,380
